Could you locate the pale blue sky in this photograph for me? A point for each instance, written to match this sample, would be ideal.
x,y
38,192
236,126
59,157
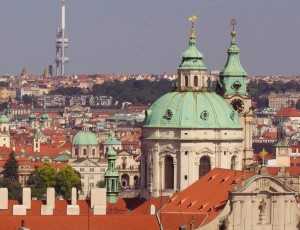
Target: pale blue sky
x,y
148,36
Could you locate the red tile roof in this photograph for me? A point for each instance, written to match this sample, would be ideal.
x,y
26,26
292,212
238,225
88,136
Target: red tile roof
x,y
270,135
86,220
203,200
287,112
295,171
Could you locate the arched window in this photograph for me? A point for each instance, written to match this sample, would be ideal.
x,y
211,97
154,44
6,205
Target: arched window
x,y
169,172
204,166
125,181
4,129
84,152
136,182
196,81
186,81
233,163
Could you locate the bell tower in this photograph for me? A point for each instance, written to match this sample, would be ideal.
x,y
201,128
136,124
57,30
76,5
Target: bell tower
x,y
282,148
112,178
232,86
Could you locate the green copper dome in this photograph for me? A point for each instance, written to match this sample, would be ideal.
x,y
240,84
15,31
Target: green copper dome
x,y
4,119
202,110
86,138
45,116
32,115
111,154
233,75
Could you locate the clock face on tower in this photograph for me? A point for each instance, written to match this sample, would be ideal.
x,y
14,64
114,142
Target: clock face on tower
x,y
237,104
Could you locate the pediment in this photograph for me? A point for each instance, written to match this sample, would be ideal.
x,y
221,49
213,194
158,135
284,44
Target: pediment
x,y
85,162
167,149
124,153
260,184
205,150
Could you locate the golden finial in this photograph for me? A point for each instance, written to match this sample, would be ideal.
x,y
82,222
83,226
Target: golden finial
x,y
192,19
233,23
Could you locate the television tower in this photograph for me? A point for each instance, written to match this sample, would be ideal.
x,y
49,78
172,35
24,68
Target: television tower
x,y
61,43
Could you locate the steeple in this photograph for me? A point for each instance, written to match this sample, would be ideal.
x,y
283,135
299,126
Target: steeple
x,y
192,58
192,71
36,147
112,178
45,116
32,115
233,75
281,135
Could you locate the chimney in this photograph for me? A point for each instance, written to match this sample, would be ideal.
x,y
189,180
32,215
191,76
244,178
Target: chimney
x,y
3,198
152,209
98,201
47,210
26,197
73,209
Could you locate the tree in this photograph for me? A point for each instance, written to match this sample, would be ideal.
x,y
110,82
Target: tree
x,y
100,184
37,188
67,178
10,168
46,175
27,99
42,178
14,188
10,177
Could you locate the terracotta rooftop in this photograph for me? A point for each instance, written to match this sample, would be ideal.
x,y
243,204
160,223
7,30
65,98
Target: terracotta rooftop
x,y
287,112
203,200
86,220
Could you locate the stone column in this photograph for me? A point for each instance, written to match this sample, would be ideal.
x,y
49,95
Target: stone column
x,y
161,185
175,175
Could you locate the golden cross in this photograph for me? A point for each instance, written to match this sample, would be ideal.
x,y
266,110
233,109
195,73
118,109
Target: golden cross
x,y
192,18
233,22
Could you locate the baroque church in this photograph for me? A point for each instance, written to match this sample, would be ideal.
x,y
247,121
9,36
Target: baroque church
x,y
197,127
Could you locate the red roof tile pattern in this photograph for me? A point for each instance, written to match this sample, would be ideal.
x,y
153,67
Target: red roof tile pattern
x,y
205,198
294,171
287,112
86,220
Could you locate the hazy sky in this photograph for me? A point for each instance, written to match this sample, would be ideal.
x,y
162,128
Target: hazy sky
x,y
148,36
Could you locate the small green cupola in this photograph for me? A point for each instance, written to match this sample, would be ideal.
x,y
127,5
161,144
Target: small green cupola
x,y
111,178
4,119
233,76
22,153
45,116
192,76
68,135
192,57
32,115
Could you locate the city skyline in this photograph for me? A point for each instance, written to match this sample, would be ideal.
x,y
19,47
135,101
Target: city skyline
x,y
149,37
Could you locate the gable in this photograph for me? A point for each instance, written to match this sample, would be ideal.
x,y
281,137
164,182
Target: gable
x,y
84,163
258,184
